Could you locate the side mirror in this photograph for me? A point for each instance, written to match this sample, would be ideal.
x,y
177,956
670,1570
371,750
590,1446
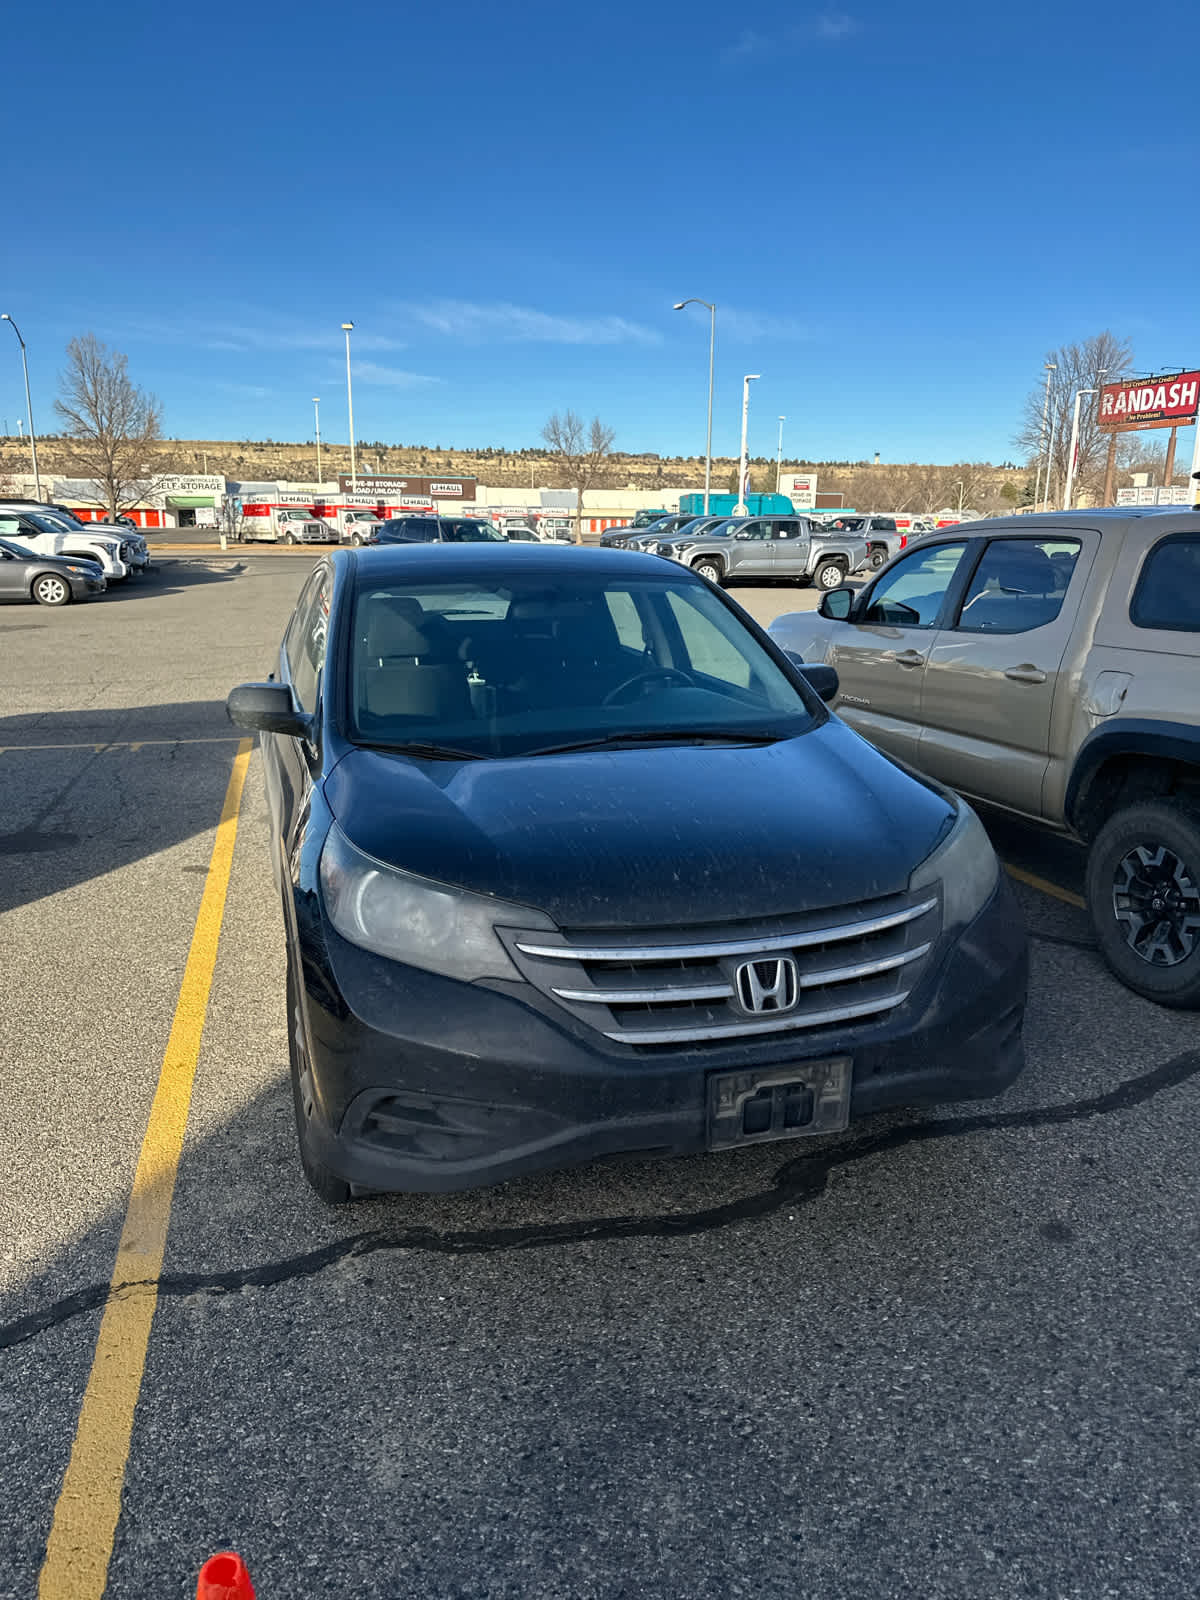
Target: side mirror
x,y
837,604
267,708
821,678
741,536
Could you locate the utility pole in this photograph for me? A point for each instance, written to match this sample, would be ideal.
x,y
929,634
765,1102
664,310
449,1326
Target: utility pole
x,y
347,328
317,426
37,477
779,455
739,510
1051,367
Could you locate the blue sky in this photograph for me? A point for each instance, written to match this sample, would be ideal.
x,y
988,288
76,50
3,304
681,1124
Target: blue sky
x,y
898,209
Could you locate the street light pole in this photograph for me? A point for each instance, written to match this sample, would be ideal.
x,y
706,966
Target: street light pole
x,y
37,477
1037,482
346,329
712,345
1070,489
959,485
779,455
739,510
317,416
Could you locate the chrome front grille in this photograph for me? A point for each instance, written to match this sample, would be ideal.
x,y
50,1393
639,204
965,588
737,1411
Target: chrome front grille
x,y
663,987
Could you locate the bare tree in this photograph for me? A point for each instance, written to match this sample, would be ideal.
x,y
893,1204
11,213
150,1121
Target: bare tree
x,y
113,428
581,449
1101,359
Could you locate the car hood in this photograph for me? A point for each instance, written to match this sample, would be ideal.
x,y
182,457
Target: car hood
x,y
673,835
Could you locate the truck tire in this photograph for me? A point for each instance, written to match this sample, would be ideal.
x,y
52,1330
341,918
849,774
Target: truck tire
x,y
877,557
710,567
831,571
1143,893
289,538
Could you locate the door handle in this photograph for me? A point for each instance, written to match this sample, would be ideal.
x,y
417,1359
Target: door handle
x,y
909,658
1025,674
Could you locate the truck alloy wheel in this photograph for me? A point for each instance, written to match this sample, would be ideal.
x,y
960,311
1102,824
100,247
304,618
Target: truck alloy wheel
x,y
876,559
830,574
1144,898
712,570
50,590
289,538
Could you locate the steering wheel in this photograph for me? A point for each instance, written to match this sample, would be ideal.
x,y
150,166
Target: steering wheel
x,y
617,696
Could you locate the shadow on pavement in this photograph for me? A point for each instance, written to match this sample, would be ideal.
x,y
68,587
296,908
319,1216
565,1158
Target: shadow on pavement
x,y
83,793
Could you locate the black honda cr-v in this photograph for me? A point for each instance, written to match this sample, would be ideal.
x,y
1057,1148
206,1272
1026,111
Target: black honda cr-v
x,y
574,860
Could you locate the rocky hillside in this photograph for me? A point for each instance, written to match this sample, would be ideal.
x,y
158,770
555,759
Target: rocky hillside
x,y
906,486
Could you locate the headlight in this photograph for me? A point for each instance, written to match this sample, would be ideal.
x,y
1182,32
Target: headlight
x,y
424,924
964,865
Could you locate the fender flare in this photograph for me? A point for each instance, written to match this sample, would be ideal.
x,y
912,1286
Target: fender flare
x,y
1140,736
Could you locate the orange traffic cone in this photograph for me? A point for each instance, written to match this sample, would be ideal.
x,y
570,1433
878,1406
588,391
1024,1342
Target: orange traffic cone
x,y
224,1577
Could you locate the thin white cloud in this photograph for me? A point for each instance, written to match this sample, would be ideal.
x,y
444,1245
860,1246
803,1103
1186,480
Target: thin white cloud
x,y
475,322
823,27
216,333
391,377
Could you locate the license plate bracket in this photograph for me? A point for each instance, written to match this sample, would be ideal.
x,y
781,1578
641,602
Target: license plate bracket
x,y
795,1101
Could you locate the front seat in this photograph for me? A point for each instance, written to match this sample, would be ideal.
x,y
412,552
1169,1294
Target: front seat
x,y
412,670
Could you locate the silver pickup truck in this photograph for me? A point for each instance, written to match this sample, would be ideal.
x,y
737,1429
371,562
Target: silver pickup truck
x,y
772,547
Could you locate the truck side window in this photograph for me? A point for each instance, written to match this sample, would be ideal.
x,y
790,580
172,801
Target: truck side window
x,y
912,592
1168,590
1018,585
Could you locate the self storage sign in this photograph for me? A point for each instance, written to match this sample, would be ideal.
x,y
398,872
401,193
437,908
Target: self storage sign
x,y
1167,402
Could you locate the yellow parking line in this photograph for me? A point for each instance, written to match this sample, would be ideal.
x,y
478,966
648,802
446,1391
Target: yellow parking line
x,y
89,1502
1046,887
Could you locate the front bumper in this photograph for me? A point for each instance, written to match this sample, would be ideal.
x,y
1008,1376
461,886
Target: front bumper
x,y
426,1084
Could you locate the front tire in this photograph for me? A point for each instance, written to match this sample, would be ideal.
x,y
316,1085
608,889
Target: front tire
x,y
327,1185
830,575
1143,893
712,570
289,538
51,590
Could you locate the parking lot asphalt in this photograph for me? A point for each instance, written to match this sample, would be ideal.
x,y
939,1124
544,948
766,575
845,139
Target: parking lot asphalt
x,y
952,1353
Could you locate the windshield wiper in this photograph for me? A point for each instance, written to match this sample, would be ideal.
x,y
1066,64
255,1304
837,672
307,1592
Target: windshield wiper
x,y
667,736
428,752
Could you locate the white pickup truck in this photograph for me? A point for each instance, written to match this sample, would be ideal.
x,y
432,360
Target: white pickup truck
x,y
49,535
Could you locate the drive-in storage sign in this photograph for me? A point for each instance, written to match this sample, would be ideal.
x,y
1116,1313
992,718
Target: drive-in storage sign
x,y
1170,401
384,485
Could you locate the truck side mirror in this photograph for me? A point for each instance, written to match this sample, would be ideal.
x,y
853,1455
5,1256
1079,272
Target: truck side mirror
x,y
837,604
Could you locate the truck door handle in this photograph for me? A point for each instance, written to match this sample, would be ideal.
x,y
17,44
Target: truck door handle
x,y
909,658
1025,674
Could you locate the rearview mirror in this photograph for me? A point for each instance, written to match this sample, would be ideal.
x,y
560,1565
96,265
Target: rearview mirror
x,y
837,604
267,708
821,678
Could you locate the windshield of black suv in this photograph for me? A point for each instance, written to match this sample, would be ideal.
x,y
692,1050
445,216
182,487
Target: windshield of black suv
x,y
512,667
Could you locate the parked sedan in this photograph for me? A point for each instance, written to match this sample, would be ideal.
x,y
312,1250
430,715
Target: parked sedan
x,y
49,580
491,972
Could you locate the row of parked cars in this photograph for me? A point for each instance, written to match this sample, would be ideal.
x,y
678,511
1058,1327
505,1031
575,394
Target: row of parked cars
x,y
49,557
760,547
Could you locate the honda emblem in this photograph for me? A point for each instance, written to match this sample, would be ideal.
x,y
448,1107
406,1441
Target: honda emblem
x,y
772,985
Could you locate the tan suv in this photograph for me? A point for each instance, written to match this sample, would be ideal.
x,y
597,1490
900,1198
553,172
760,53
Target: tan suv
x,y
1049,665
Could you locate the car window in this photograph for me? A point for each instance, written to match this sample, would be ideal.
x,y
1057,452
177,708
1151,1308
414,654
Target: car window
x,y
556,660
1168,590
306,640
787,528
709,646
1019,584
911,593
626,620
755,530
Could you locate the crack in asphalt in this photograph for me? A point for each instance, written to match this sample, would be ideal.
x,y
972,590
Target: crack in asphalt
x,y
797,1182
